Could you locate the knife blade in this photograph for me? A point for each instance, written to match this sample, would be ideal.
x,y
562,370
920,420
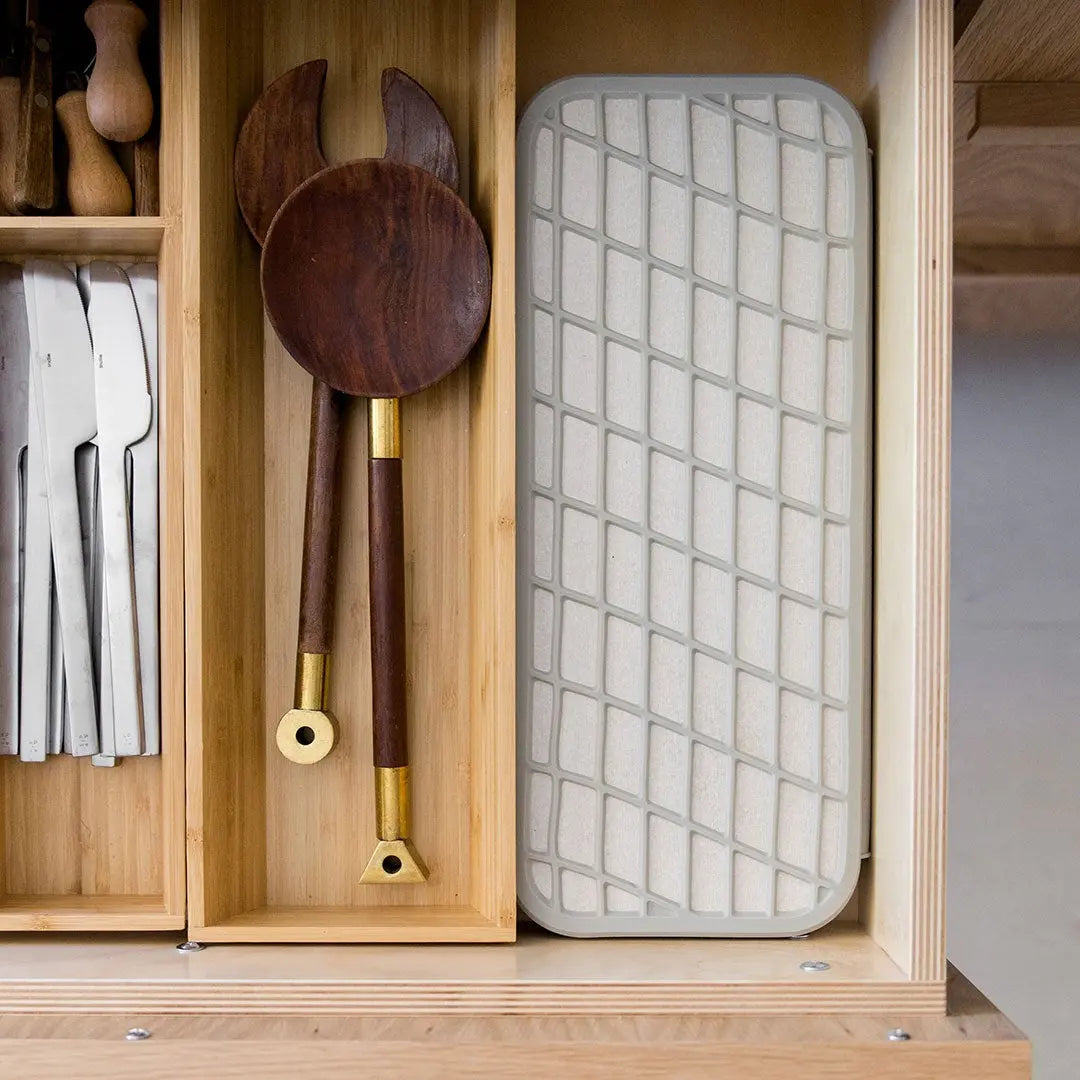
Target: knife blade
x,y
144,503
63,376
14,423
35,677
122,396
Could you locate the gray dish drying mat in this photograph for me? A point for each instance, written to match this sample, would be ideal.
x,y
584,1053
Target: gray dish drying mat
x,y
693,505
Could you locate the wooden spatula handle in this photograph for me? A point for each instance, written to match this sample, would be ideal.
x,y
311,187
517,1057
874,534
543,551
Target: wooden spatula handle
x,y
9,140
321,516
34,180
386,585
96,185
119,101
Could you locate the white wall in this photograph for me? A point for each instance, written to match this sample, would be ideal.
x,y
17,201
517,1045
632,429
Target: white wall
x,y
1014,824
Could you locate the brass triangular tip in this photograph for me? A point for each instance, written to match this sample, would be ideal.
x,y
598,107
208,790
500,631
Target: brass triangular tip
x,y
394,862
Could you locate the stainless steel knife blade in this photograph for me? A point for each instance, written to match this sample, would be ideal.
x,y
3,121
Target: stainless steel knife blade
x,y
63,378
144,512
14,423
122,397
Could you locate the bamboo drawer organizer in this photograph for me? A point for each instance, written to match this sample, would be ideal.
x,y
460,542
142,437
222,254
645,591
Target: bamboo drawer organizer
x,y
273,852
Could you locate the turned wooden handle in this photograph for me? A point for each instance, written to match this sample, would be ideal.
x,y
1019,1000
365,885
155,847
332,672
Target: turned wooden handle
x,y
9,140
35,189
118,97
96,185
321,521
387,591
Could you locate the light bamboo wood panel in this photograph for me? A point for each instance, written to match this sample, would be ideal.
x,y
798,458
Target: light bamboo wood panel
x,y
1035,41
276,850
103,849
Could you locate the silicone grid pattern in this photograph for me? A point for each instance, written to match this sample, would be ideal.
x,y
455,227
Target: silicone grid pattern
x,y
708,780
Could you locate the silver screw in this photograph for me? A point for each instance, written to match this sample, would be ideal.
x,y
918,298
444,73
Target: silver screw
x,y
814,965
800,937
190,946
137,1034
898,1035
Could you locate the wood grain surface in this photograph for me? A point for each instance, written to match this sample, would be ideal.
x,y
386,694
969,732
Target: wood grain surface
x,y
278,146
35,187
387,599
118,100
376,278
96,185
417,131
146,180
9,140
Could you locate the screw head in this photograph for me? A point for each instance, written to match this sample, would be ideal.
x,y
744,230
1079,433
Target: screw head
x,y
815,965
190,946
898,1035
42,45
136,1034
800,937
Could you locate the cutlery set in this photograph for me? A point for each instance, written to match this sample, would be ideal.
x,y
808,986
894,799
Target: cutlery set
x,y
78,483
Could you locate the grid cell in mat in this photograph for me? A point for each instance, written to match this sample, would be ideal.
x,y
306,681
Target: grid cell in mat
x,y
750,879
835,657
710,788
759,107
712,424
800,648
668,587
579,114
543,715
834,127
712,515
837,564
666,861
622,125
579,274
624,568
755,533
622,202
622,294
578,366
712,240
711,339
755,625
754,794
669,502
755,168
543,537
579,893
755,443
801,263
797,116
667,221
623,667
623,476
668,400
624,750
710,143
542,878
800,367
578,735
620,902
833,839
711,709
838,380
543,167
798,737
580,551
800,459
668,762
838,198
838,472
543,351
579,195
623,840
833,748
541,790
755,354
666,123
622,385
800,186
669,678
580,449
668,313
543,260
795,826
575,836
800,551
709,875
793,895
712,607
838,291
543,613
757,261
579,643
755,717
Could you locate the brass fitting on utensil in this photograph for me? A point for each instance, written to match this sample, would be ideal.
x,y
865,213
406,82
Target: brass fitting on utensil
x,y
384,427
395,859
308,731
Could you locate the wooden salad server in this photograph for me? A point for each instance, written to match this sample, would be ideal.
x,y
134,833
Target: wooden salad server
x,y
377,279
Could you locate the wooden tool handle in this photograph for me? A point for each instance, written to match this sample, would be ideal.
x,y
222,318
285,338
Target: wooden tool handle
x,y
35,189
119,101
321,521
9,140
387,590
147,199
96,185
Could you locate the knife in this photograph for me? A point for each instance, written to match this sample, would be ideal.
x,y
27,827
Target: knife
x,y
35,677
62,371
122,396
144,504
35,189
14,421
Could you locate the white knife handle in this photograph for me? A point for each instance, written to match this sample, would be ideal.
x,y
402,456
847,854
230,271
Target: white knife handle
x,y
36,605
74,620
120,600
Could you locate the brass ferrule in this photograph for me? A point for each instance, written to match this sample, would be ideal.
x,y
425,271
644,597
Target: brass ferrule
x,y
384,427
312,680
392,802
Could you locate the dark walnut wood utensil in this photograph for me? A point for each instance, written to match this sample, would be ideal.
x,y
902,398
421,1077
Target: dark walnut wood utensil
x,y
277,150
377,279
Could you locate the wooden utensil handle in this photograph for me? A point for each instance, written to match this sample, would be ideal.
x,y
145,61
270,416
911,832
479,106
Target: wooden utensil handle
x,y
9,136
34,185
96,185
387,592
321,521
119,101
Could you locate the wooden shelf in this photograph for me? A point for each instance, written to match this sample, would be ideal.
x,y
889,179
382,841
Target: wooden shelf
x,y
80,912
81,235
